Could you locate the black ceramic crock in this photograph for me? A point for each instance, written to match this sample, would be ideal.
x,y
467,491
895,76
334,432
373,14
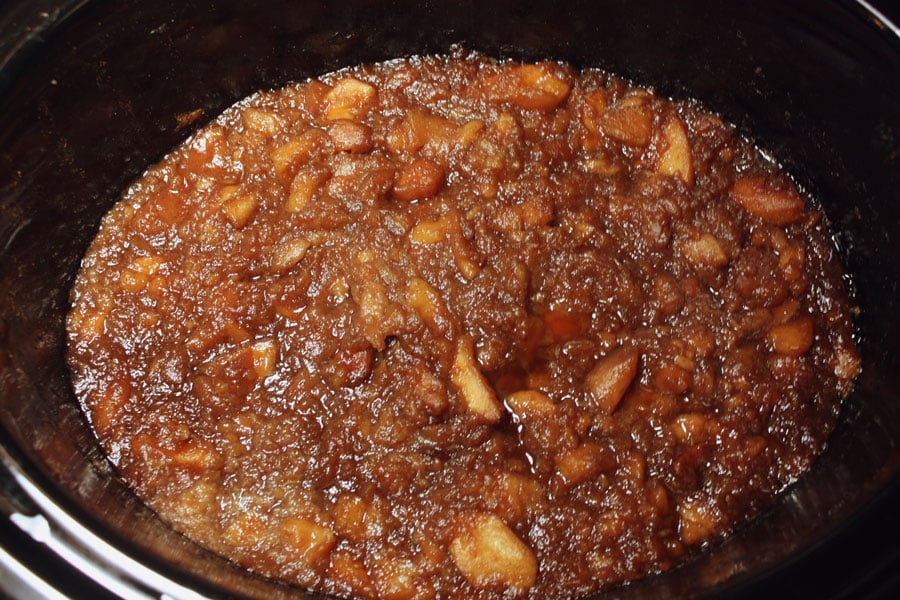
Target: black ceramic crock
x,y
91,93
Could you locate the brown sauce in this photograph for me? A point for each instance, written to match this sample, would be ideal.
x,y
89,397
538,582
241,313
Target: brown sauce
x,y
445,327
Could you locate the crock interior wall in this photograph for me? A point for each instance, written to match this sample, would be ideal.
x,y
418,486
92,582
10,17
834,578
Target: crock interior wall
x,y
90,105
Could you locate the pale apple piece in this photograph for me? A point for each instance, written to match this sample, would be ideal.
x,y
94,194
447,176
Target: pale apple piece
x,y
487,552
471,384
675,159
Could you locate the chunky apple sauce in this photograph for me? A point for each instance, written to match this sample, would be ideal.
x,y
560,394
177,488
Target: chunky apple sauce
x,y
446,327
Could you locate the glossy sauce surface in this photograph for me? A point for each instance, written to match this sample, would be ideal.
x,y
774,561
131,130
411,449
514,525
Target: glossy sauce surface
x,y
445,327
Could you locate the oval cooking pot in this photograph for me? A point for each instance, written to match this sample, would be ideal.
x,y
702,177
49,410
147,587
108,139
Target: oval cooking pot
x,y
90,95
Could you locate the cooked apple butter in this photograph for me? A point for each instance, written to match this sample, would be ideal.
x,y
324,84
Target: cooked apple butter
x,y
447,327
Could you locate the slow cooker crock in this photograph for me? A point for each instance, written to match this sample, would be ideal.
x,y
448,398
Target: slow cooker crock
x,y
91,93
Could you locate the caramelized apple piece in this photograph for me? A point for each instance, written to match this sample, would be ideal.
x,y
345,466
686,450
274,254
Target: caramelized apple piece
x,y
584,462
475,390
310,541
350,98
350,136
418,180
777,207
611,377
705,250
696,523
675,159
288,254
303,189
240,209
290,156
264,354
487,552
793,338
532,87
429,305
528,404
631,125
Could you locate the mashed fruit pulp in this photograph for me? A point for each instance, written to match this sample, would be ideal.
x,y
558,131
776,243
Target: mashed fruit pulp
x,y
446,327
